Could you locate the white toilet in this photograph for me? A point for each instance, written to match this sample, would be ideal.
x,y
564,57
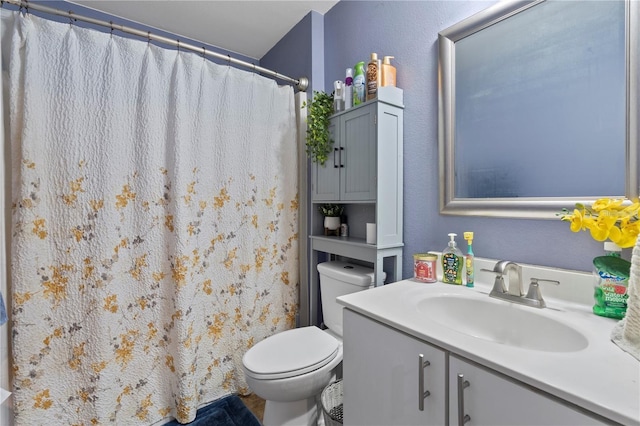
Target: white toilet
x,y
290,369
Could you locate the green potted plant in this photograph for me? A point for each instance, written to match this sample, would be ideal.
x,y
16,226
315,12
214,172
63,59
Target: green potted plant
x,y
331,213
319,140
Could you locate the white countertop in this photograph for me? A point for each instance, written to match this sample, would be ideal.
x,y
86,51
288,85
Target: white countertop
x,y
601,378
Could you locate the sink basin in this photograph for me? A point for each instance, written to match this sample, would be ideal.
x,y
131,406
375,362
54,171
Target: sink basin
x,y
503,323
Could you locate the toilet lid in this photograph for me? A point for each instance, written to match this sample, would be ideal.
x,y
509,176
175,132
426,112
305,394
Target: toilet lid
x,y
290,353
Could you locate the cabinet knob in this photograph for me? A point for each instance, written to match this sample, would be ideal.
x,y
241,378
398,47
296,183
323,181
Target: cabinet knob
x,y
422,394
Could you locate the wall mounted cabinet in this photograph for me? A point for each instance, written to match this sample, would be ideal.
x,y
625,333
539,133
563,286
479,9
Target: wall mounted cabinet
x,y
364,173
350,172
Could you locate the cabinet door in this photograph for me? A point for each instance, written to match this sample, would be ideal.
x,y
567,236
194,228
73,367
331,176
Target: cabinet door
x,y
358,154
381,372
325,180
492,399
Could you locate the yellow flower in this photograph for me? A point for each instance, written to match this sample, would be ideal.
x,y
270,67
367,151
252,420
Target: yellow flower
x,y
606,204
575,219
606,218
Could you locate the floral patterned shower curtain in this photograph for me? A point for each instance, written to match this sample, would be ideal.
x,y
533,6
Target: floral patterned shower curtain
x,y
154,228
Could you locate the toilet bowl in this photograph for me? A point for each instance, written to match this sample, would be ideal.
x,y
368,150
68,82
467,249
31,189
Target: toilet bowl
x,y
290,369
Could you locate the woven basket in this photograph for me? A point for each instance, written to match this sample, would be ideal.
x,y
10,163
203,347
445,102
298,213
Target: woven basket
x,y
332,404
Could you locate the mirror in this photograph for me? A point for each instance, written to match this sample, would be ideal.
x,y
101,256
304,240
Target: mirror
x,y
538,107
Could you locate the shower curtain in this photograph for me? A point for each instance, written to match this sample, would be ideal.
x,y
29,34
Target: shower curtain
x,y
154,227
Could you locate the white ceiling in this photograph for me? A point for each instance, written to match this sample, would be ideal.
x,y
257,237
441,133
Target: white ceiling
x,y
248,27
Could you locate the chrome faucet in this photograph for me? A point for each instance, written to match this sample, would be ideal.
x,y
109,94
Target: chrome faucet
x,y
514,292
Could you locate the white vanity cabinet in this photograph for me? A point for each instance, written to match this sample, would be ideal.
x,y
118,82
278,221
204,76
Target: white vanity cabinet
x,y
381,372
382,375
488,398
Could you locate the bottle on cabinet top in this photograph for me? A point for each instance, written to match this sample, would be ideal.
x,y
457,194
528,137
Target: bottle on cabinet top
x,y
359,83
348,89
388,72
372,77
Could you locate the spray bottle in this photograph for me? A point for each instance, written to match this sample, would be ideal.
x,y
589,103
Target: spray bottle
x,y
468,259
452,262
348,89
359,84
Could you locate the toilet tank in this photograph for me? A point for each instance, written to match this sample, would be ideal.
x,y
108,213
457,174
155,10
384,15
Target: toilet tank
x,y
338,279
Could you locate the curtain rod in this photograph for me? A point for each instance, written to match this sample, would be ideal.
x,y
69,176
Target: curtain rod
x,y
301,84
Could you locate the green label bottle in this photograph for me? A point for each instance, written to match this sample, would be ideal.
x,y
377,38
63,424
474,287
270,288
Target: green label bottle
x,y
452,261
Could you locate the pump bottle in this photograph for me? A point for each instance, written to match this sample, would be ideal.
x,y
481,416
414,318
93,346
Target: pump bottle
x,y
452,262
388,72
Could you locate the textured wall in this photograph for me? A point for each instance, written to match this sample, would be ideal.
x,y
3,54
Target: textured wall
x,y
409,30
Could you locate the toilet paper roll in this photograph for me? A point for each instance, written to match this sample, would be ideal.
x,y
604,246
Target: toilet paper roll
x,y
371,233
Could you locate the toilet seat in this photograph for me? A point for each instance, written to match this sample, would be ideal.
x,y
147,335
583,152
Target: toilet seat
x,y
290,353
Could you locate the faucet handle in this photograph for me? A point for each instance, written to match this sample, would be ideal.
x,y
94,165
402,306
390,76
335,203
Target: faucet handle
x,y
534,290
537,280
498,284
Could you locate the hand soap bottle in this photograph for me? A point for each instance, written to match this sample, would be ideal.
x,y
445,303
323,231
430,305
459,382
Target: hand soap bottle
x,y
452,263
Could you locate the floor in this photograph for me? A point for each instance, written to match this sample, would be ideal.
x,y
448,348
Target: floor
x,y
255,404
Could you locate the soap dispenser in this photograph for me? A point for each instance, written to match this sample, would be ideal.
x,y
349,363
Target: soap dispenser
x,y
452,262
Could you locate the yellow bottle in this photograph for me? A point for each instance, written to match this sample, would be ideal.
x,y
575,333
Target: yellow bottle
x,y
388,72
372,77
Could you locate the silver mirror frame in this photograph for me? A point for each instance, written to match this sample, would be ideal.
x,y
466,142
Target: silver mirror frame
x,y
530,207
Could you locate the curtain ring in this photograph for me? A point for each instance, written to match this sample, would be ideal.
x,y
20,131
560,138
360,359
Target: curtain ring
x,y
229,60
148,37
111,25
178,45
204,52
24,7
71,18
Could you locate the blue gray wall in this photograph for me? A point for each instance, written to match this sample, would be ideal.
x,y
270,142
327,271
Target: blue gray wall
x,y
409,30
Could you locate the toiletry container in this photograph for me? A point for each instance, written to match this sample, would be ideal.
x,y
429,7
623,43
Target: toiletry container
x,y
452,262
469,260
359,84
372,77
388,72
424,267
611,278
338,96
348,89
290,369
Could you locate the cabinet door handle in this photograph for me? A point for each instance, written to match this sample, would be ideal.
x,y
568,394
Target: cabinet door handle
x,y
336,154
462,385
341,150
422,394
